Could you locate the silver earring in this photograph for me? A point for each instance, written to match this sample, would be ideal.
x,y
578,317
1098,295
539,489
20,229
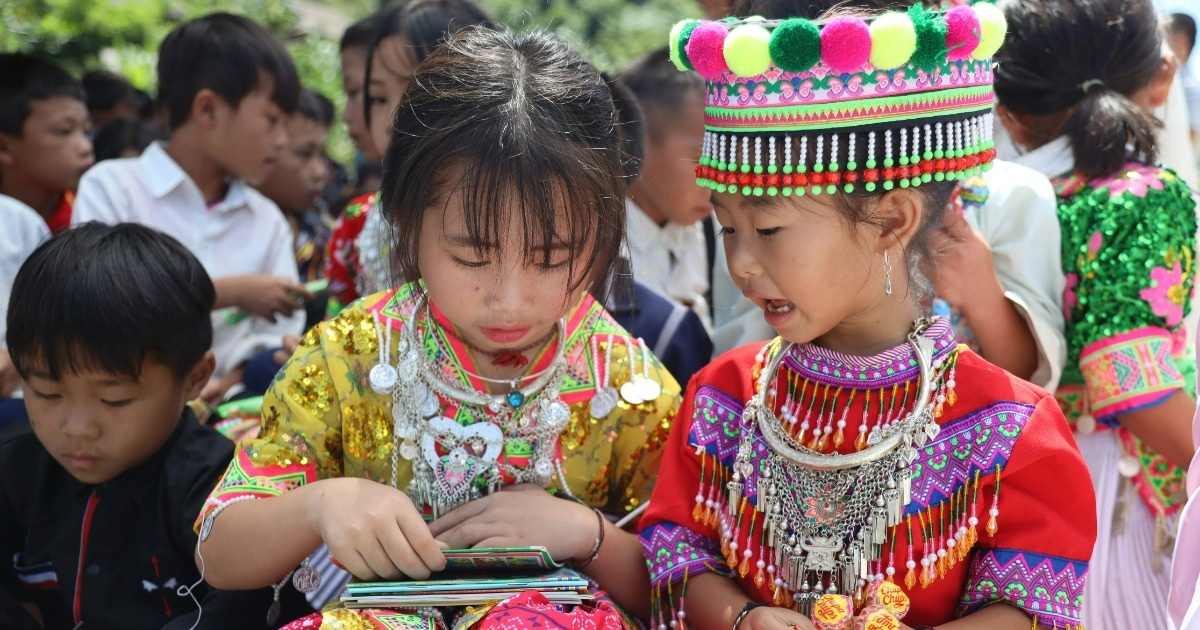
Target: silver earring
x,y
887,272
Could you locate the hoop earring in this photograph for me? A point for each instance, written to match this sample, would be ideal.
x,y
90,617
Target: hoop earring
x,y
887,271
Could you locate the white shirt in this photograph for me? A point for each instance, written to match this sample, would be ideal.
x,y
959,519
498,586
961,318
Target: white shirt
x,y
1019,221
23,230
245,233
671,259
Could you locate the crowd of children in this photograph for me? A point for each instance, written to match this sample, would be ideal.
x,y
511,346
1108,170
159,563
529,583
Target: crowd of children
x,y
825,315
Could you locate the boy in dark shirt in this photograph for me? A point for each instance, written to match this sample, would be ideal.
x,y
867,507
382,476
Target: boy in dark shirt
x,y
109,329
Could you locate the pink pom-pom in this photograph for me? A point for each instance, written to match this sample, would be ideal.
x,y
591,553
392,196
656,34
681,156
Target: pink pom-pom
x,y
846,44
706,50
962,33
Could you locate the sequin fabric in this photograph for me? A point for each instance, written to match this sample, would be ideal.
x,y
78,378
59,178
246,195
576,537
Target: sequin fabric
x,y
1128,254
320,417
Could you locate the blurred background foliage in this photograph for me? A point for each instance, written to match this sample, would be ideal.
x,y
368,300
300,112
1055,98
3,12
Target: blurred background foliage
x,y
123,35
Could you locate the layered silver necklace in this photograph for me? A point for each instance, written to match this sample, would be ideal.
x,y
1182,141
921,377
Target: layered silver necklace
x,y
453,464
827,516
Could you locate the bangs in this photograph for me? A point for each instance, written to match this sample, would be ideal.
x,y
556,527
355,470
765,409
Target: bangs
x,y
556,195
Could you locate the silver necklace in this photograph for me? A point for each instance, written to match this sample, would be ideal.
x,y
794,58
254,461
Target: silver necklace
x,y
827,515
449,459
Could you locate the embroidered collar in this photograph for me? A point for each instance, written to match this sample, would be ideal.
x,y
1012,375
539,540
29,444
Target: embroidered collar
x,y
896,365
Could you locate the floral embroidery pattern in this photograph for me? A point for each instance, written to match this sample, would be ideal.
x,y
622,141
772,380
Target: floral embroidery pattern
x,y
1167,294
1136,178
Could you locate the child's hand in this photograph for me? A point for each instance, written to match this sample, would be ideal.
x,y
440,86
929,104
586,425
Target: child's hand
x,y
262,295
768,618
374,531
290,343
216,389
9,378
965,273
523,515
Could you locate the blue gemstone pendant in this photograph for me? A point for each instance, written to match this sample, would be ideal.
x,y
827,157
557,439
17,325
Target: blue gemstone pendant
x,y
515,399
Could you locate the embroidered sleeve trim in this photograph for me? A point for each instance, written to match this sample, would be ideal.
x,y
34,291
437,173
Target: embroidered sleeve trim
x,y
246,478
1129,371
673,551
1049,588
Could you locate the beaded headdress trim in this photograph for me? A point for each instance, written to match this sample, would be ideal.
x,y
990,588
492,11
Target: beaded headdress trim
x,y
908,94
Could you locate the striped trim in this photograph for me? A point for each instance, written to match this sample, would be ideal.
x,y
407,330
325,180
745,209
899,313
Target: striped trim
x,y
846,114
1129,371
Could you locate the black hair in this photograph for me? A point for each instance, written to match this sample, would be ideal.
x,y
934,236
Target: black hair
x,y
315,106
424,25
631,122
814,9
1183,23
105,297
25,78
661,89
124,134
227,54
105,90
361,33
1075,65
513,121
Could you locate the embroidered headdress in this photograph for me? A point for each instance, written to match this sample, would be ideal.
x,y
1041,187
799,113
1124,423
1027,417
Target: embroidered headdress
x,y
795,106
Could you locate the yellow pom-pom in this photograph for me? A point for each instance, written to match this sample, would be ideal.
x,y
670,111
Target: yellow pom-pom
x,y
992,26
747,50
673,48
893,40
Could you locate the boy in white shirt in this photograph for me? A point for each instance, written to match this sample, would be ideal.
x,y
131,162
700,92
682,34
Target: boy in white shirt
x,y
665,206
228,86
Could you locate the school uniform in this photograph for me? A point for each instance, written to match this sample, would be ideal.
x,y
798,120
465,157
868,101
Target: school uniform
x,y
671,259
244,233
23,231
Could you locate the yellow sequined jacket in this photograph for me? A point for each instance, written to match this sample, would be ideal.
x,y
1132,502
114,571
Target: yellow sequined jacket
x,y
321,419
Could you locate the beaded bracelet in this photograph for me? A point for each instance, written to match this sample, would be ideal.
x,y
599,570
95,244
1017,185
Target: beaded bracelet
x,y
599,541
737,621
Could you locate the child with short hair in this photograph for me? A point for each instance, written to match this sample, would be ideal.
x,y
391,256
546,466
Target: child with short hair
x,y
812,481
296,184
360,257
110,97
437,414
45,136
666,239
227,85
109,329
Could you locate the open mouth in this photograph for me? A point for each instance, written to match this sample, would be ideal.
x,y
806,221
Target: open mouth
x,y
778,306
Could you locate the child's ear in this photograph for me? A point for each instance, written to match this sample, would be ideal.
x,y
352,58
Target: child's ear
x,y
900,214
1160,86
6,152
198,377
204,107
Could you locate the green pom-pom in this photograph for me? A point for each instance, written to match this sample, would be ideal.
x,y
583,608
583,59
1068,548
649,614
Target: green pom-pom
x,y
939,154
800,190
931,38
849,188
787,169
870,163
833,166
795,45
772,169
851,166
888,163
704,160
745,168
992,29
758,191
830,189
675,47
928,155
802,169
721,166
818,168
893,40
746,191
926,177
939,177
816,190
903,160
720,188
787,192
870,186
904,183
772,191
888,185
758,169
747,50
